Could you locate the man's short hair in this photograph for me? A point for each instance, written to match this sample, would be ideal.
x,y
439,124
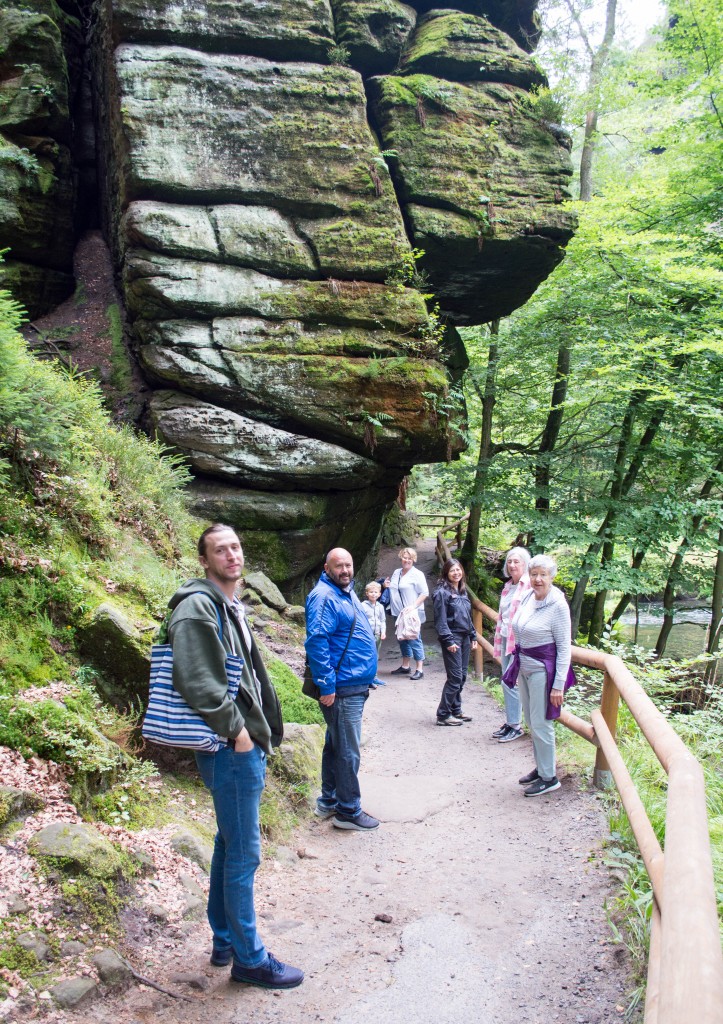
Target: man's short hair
x,y
214,528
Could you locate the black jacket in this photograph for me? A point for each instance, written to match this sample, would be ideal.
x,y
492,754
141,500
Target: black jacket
x,y
452,615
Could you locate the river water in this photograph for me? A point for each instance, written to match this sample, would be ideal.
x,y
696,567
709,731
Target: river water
x,y
687,638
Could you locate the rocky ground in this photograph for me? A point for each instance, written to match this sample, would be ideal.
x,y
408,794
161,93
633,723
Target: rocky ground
x,y
469,904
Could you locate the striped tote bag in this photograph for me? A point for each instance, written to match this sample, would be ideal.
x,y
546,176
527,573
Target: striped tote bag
x,y
169,720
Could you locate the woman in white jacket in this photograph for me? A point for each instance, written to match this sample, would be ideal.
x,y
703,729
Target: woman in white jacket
x,y
408,589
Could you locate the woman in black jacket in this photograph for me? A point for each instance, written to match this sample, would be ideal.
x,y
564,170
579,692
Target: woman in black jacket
x,y
457,635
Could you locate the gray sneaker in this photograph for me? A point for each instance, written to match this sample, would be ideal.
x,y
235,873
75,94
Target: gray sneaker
x,y
511,734
542,786
362,822
324,812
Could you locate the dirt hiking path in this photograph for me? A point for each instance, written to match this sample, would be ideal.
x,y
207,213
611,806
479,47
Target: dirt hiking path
x,y
496,901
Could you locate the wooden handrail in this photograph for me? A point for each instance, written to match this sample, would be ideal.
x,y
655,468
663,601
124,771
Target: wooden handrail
x,y
685,977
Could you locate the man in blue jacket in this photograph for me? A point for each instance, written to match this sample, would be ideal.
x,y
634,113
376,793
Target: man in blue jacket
x,y
342,655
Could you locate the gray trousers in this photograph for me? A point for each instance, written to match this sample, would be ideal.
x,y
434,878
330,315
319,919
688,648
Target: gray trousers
x,y
532,684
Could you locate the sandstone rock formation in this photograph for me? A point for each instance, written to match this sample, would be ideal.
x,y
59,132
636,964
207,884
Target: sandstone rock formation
x,y
40,50
266,168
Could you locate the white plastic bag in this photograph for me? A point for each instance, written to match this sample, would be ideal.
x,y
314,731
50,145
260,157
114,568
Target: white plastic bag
x,y
408,624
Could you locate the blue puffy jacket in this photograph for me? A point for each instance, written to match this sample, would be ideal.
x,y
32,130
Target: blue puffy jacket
x,y
329,617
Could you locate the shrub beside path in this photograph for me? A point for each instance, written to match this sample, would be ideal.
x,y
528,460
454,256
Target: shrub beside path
x,y
469,905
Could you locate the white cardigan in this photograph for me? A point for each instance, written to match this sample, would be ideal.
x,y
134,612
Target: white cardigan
x,y
405,590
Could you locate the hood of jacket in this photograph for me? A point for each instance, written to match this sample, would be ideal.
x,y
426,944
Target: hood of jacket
x,y
199,586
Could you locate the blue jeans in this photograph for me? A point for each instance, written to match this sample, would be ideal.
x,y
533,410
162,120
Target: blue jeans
x,y
513,711
235,782
341,757
412,649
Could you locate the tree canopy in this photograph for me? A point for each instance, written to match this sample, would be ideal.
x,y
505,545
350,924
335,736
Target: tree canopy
x,y
603,394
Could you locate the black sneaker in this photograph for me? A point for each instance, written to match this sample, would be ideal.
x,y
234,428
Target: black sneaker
x,y
502,731
417,675
361,822
221,957
512,734
448,721
462,718
401,671
532,776
271,974
543,786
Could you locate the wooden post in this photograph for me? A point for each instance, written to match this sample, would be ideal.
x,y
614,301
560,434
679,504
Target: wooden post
x,y
478,653
691,972
652,991
603,778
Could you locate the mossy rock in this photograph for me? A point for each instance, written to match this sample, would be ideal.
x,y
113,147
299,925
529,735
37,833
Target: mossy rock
x,y
463,47
292,136
401,528
371,406
224,444
517,18
297,708
482,182
266,589
77,848
189,844
299,760
245,236
40,47
161,288
374,32
74,992
16,803
121,652
278,29
36,208
282,510
36,288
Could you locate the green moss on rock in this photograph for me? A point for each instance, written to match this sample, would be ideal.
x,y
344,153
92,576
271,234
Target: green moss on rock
x,y
278,29
374,32
463,47
474,166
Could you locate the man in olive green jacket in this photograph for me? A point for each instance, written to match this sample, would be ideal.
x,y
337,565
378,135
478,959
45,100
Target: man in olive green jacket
x,y
209,636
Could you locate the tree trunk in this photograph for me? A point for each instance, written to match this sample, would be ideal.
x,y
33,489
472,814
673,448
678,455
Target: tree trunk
x,y
625,600
675,566
669,599
636,400
597,618
543,457
471,540
598,60
619,489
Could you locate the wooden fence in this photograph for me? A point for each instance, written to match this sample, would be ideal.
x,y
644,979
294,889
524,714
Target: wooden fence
x,y
444,521
685,965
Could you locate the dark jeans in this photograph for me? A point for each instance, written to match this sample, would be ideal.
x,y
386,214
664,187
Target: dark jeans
x,y
456,667
341,757
236,782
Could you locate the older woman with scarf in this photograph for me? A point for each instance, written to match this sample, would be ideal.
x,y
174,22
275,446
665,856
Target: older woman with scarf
x,y
540,667
517,585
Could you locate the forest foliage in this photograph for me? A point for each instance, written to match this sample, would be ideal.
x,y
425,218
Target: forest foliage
x,y
602,396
